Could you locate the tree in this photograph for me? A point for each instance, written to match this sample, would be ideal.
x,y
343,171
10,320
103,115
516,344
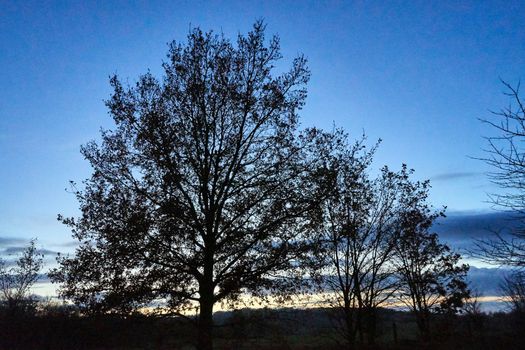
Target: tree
x,y
506,156
17,280
343,211
201,191
377,241
431,278
473,313
357,236
513,288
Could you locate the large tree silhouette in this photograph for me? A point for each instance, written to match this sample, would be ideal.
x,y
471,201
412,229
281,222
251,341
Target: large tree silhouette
x,y
201,191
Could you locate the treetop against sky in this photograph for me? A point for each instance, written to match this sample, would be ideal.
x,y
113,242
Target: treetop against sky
x,y
417,75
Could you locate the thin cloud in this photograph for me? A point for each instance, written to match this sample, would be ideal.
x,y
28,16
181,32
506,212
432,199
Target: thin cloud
x,y
487,280
8,241
13,250
454,176
46,252
69,244
19,249
461,229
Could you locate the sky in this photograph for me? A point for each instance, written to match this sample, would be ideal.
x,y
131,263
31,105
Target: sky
x,y
417,74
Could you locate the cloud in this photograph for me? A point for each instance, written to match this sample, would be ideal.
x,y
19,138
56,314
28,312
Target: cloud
x,y
7,241
461,230
19,249
487,280
12,248
70,244
43,278
454,176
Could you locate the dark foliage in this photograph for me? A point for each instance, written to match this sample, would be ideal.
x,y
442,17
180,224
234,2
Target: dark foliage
x,y
431,278
376,246
202,191
358,235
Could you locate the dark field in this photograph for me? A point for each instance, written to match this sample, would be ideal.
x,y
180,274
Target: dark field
x,y
252,329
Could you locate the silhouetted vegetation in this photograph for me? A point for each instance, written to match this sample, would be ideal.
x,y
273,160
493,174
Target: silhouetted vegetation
x,y
506,156
376,246
513,287
207,191
431,278
62,327
17,280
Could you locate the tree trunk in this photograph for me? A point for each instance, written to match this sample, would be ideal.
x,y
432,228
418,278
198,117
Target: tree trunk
x,y
206,301
205,325
423,320
348,313
371,325
350,335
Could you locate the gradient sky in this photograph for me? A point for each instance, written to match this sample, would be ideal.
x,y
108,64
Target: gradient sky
x,y
417,74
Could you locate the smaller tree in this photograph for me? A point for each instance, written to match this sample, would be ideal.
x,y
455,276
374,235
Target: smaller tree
x,y
474,314
431,278
17,280
357,237
343,235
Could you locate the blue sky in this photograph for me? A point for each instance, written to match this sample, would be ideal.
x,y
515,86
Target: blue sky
x,y
417,74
